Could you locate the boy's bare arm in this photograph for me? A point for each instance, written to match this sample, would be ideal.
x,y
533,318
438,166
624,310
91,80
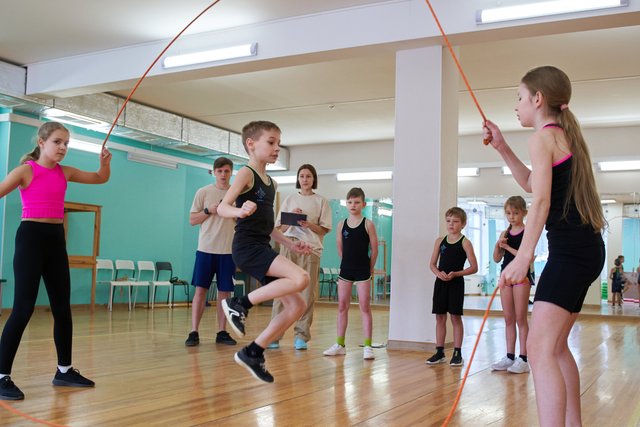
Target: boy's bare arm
x,y
471,256
243,179
373,243
433,264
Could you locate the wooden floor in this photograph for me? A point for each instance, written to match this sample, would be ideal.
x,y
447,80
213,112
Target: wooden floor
x,y
146,376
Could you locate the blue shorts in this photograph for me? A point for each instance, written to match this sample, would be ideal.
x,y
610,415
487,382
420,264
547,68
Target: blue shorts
x,y
209,265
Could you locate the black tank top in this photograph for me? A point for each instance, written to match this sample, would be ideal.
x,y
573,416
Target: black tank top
x,y
355,247
259,225
514,241
452,256
566,230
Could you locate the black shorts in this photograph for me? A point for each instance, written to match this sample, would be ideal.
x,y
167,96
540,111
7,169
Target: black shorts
x,y
568,274
254,258
351,275
448,297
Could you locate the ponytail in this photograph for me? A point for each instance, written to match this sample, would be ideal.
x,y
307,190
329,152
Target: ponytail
x,y
555,85
33,155
583,184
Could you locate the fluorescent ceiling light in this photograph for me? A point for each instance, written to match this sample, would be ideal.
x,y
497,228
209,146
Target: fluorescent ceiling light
x,y
150,159
62,116
507,171
233,52
607,201
468,171
275,167
544,8
623,165
285,179
364,176
89,147
385,212
477,202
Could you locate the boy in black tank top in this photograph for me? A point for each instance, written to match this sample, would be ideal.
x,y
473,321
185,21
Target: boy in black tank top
x,y
253,192
447,263
358,247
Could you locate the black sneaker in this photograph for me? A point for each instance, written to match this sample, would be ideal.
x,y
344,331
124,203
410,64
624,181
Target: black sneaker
x,y
193,339
71,379
223,337
436,359
255,365
235,313
9,391
456,360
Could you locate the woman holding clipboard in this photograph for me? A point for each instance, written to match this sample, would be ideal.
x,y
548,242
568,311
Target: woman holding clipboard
x,y
305,216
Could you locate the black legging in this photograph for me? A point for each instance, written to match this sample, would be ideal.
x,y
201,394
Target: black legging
x,y
40,253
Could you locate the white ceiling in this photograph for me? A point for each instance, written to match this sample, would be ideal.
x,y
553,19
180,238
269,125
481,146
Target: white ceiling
x,y
349,97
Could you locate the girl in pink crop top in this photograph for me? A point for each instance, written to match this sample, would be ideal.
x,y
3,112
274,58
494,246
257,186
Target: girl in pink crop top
x,y
41,252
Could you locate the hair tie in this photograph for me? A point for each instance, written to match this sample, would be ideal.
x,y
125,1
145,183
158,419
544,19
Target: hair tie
x,y
564,107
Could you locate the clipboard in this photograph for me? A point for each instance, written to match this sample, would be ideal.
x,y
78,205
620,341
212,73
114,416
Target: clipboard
x,y
290,218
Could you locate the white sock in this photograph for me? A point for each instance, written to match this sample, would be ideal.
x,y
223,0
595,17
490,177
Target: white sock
x,y
3,375
64,369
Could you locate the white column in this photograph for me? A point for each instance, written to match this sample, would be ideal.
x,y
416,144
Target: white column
x,y
424,187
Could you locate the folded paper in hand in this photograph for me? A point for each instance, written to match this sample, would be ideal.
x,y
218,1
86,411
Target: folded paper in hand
x,y
290,218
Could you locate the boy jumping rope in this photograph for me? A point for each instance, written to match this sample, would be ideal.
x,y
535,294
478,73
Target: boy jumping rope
x,y
447,263
253,192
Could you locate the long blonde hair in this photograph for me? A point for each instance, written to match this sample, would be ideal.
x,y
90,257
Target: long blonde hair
x,y
44,132
555,87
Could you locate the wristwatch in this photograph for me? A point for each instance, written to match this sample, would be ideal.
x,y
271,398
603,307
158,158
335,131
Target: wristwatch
x,y
206,211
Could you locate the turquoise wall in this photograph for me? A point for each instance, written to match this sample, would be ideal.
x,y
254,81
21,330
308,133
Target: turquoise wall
x,y
630,243
145,215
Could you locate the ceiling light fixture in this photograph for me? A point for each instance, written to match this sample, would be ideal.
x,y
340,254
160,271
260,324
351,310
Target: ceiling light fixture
x,y
607,201
468,172
285,179
233,52
623,165
364,176
545,8
89,147
507,171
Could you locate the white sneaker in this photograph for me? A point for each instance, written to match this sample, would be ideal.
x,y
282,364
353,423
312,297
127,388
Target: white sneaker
x,y
502,364
519,367
368,353
335,350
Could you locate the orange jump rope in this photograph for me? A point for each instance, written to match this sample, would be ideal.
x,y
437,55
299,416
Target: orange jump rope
x,y
462,74
486,142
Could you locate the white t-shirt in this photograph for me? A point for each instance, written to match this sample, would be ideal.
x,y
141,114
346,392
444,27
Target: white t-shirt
x,y
318,212
216,233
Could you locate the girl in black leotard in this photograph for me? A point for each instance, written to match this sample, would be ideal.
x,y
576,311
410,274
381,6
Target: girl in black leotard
x,y
565,199
514,298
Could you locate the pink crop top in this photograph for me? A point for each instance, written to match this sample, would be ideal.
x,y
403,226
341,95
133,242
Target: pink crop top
x,y
44,197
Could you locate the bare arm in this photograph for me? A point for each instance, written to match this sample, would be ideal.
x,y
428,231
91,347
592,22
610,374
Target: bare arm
x,y
471,257
339,238
84,177
242,181
15,178
498,251
433,264
520,171
373,242
541,152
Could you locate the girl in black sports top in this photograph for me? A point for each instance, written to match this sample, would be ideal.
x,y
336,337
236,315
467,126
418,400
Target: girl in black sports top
x,y
514,298
565,199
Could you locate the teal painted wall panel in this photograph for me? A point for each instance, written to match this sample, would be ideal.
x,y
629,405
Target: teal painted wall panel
x,y
145,215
